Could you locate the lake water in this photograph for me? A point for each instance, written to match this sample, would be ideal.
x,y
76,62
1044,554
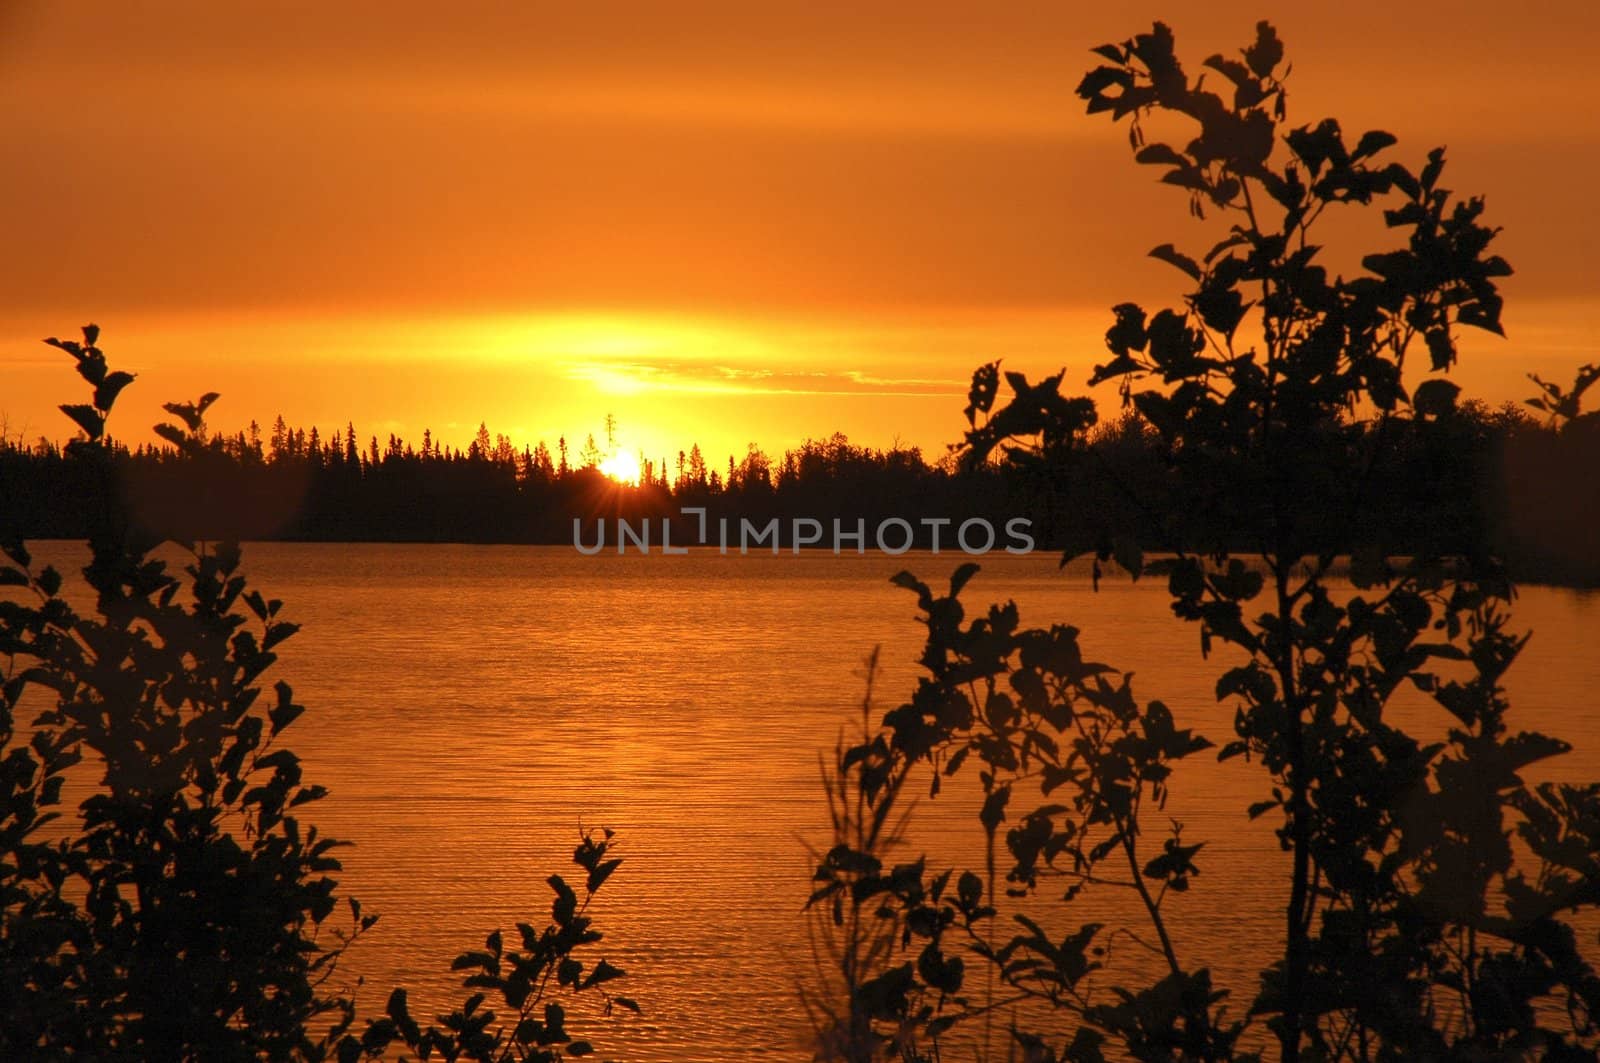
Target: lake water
x,y
470,707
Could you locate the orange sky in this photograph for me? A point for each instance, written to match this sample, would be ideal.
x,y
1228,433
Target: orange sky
x,y
723,222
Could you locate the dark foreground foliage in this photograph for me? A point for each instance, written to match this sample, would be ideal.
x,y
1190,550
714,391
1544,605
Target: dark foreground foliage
x,y
1436,903
185,910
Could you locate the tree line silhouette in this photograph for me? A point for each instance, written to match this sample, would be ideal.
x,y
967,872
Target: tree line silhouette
x,y
1466,479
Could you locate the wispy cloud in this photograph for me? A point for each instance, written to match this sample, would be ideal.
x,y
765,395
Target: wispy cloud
x,y
634,377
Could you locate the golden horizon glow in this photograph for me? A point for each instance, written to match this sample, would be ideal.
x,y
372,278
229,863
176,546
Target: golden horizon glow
x,y
671,381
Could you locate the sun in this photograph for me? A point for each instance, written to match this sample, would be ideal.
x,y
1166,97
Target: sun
x,y
621,467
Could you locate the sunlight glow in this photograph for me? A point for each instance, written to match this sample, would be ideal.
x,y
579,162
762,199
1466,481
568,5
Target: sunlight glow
x,y
622,467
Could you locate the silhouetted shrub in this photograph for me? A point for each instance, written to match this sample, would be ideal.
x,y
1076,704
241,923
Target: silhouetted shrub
x,y
1430,895
187,911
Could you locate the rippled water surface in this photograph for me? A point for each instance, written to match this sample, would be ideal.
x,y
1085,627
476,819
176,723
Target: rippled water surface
x,y
470,707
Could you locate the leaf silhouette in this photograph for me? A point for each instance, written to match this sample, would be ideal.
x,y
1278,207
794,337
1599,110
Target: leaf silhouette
x,y
86,418
105,394
1171,255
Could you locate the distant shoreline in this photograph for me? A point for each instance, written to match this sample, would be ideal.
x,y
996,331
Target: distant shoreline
x,y
1045,556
